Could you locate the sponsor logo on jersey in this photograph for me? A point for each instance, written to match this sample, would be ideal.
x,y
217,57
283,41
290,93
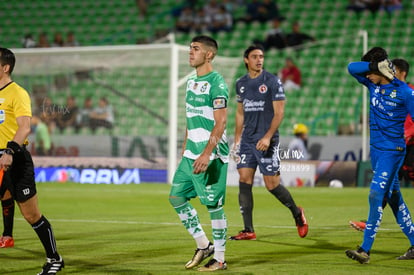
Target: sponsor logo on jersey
x,y
391,103
253,106
194,111
263,89
2,116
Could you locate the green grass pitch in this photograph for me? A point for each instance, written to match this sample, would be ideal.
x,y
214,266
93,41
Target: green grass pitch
x,y
132,229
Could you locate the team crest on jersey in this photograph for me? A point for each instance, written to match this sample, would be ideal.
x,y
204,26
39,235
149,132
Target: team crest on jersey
x,y
393,94
263,89
382,91
204,88
2,101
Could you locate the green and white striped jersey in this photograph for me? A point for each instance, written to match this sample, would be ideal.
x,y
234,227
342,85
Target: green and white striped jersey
x,y
204,94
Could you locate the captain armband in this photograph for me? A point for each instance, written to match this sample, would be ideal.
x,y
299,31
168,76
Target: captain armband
x,y
219,103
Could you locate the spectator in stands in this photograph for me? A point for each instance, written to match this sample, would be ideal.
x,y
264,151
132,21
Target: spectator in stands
x,y
211,8
83,116
290,75
58,40
48,113
261,11
299,144
230,5
268,10
43,41
252,11
201,21
185,20
71,40
221,21
28,41
102,116
297,38
142,6
360,5
391,5
43,142
275,38
66,116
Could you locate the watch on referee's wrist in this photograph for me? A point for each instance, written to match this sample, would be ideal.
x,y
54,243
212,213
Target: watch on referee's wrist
x,y
8,151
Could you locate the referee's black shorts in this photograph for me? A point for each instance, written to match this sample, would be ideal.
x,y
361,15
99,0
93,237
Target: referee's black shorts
x,y
20,178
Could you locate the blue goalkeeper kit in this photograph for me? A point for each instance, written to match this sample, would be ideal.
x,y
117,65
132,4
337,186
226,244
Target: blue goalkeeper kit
x,y
389,105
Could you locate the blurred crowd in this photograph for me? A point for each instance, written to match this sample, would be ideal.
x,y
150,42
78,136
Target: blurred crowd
x,y
43,40
60,117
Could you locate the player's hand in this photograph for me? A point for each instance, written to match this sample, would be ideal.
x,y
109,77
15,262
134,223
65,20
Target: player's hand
x,y
386,68
5,161
235,152
200,165
263,144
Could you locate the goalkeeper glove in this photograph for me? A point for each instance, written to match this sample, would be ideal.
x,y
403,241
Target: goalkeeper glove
x,y
385,67
235,152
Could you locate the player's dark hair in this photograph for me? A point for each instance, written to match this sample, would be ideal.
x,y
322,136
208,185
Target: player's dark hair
x,y
401,64
7,58
376,54
250,49
206,40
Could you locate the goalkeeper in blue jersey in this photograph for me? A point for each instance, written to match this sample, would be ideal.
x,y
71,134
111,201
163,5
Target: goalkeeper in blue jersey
x,y
390,101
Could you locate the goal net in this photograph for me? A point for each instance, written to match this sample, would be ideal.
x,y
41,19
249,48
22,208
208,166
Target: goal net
x,y
145,84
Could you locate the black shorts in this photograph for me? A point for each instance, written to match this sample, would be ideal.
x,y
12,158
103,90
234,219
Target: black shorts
x,y
20,178
268,161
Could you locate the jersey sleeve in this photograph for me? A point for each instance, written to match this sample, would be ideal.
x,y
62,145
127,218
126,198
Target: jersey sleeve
x,y
22,104
278,93
358,71
238,92
410,102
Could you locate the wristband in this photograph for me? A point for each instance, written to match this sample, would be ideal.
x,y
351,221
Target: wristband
x,y
14,146
373,66
8,151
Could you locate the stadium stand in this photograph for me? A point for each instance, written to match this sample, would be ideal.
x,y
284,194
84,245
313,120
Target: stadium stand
x,y
328,101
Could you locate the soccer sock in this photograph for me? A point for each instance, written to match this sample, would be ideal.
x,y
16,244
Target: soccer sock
x,y
219,228
374,218
8,216
402,215
189,218
246,205
283,195
44,231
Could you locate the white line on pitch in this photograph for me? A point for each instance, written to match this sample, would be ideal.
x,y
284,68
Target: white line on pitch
x,y
172,223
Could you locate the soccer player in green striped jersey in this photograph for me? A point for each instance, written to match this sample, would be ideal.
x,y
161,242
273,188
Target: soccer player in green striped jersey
x,y
202,170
